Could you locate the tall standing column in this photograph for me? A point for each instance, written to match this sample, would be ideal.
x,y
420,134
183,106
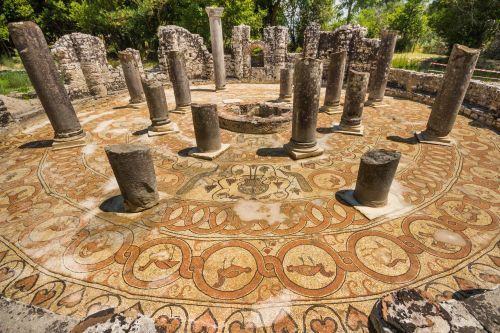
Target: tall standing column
x,y
307,89
350,122
336,73
456,81
215,15
39,64
180,81
286,84
378,80
207,132
158,109
132,76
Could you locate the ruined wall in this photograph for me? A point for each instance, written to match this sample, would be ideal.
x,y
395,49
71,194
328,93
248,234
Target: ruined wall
x,y
482,100
361,51
199,62
83,64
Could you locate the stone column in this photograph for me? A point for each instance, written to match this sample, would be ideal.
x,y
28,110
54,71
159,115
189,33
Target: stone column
x,y
307,89
336,73
350,122
286,84
39,64
207,132
134,170
180,81
378,80
376,173
456,81
158,109
215,15
132,76
312,34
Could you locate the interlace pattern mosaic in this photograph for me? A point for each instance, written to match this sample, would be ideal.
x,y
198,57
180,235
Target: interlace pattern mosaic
x,y
252,241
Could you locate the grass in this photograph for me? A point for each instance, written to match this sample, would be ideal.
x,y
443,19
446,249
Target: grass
x,y
415,61
14,81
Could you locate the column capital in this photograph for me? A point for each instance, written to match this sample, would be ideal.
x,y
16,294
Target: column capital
x,y
214,12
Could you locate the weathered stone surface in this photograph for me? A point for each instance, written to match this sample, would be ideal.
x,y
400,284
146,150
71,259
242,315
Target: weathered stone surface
x,y
286,84
357,83
41,69
132,75
215,15
134,170
206,127
242,60
461,319
111,321
409,310
461,65
5,116
307,88
336,73
376,173
485,308
311,40
157,103
179,78
378,77
18,317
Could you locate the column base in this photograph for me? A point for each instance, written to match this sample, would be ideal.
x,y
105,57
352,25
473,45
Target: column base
x,y
220,88
298,153
163,130
73,142
182,109
395,205
137,102
331,109
351,130
211,155
426,138
376,104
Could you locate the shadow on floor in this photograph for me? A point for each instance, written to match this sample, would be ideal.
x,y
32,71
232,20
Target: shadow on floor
x,y
113,205
272,152
128,106
185,152
325,130
411,140
37,144
140,132
203,89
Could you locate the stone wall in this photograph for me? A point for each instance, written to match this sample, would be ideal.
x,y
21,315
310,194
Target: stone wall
x,y
83,64
482,100
361,51
274,45
199,62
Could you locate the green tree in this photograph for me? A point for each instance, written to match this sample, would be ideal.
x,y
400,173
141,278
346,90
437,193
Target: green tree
x,y
411,22
468,22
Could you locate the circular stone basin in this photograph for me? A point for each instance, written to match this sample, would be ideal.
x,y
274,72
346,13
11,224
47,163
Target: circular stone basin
x,y
256,118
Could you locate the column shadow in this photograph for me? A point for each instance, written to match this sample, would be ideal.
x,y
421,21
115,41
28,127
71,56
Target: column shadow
x,y
113,205
271,152
411,140
37,144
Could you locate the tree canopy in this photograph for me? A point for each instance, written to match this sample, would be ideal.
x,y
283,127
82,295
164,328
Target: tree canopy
x,y
134,23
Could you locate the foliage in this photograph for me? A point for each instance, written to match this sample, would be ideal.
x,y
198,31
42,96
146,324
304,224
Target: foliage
x,y
411,22
467,22
14,81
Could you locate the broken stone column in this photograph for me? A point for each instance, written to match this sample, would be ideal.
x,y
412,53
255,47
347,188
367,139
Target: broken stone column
x,y
207,132
286,84
307,89
132,76
134,170
378,80
180,81
215,15
456,80
158,109
350,122
376,173
336,73
41,69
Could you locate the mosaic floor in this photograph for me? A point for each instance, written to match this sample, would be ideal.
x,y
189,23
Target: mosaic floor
x,y
252,241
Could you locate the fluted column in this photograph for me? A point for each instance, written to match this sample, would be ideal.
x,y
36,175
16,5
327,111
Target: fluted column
x,y
39,64
307,89
217,39
445,109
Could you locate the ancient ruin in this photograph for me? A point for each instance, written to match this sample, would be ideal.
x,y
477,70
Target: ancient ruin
x,y
252,213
